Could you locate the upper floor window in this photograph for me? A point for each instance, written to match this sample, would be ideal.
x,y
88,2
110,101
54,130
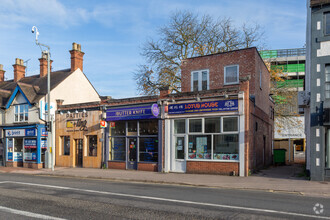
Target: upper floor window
x,y
200,80
327,23
231,75
327,81
21,113
260,79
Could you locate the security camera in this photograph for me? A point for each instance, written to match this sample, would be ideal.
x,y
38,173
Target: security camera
x,y
35,30
32,30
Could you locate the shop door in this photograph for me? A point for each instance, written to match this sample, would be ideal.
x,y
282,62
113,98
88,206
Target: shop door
x,y
132,153
178,161
79,152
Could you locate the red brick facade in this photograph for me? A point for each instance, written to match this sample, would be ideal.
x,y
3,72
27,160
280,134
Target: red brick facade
x,y
223,168
116,165
148,167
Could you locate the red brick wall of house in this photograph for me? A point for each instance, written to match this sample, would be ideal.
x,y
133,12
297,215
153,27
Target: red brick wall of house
x,y
257,111
212,167
148,167
215,64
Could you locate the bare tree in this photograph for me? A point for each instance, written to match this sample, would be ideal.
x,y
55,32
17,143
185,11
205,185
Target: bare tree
x,y
187,35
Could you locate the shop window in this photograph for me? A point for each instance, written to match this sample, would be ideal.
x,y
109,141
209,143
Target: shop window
x,y
131,128
118,128
199,147
226,147
148,127
230,124
66,145
18,145
179,126
92,145
21,113
200,80
212,125
30,149
148,149
179,148
117,148
195,125
327,23
231,75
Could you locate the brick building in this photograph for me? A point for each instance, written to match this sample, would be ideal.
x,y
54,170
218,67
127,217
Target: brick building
x,y
222,121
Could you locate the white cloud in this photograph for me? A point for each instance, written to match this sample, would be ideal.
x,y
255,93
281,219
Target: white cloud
x,y
14,13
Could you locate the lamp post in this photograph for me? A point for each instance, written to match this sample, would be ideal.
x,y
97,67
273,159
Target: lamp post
x,y
50,159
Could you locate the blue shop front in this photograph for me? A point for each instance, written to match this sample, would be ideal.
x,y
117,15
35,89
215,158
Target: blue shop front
x,y
25,146
133,137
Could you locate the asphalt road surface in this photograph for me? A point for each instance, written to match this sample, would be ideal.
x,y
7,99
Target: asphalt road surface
x,y
48,197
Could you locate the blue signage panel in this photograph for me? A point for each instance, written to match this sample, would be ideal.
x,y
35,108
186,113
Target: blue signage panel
x,y
30,143
30,132
10,156
44,132
133,113
204,107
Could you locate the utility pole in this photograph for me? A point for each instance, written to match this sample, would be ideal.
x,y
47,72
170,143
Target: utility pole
x,y
50,153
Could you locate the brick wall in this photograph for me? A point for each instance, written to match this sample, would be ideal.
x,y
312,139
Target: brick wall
x,y
116,165
148,167
215,64
212,167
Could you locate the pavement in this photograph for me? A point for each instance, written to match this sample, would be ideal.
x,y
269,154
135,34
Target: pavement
x,y
277,179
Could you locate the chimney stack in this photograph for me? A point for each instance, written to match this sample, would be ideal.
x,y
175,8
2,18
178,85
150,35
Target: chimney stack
x,y
76,57
164,92
2,73
19,69
43,65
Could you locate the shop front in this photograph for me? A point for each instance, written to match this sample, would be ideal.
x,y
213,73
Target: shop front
x,y
26,146
205,137
78,138
133,137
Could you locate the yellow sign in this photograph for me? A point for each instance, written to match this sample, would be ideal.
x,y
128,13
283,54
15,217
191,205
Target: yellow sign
x,y
69,124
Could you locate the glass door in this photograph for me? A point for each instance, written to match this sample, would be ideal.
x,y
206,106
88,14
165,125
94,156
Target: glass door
x,y
179,151
132,153
79,152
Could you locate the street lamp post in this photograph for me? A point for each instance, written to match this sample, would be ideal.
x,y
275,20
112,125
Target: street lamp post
x,y
50,158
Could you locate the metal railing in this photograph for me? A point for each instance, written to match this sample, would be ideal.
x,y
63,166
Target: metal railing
x,y
283,53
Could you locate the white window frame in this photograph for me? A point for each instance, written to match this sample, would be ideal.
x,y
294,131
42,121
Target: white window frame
x,y
229,132
200,79
19,113
224,78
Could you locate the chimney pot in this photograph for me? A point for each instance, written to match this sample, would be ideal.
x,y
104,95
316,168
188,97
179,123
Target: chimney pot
x,y
74,46
79,47
2,73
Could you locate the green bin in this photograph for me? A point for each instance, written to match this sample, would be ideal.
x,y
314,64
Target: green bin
x,y
279,156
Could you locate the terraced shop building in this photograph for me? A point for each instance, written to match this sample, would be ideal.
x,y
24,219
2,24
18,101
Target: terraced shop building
x,y
289,119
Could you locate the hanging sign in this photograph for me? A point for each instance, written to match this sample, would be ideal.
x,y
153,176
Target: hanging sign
x,y
103,124
204,107
133,113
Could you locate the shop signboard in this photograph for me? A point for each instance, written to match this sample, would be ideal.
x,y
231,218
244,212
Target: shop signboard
x,y
10,156
133,113
30,143
30,132
44,133
204,107
15,133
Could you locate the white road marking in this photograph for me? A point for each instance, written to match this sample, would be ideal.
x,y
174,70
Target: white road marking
x,y
28,214
173,200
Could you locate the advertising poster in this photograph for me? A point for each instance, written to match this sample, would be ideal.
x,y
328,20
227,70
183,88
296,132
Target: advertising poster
x,y
201,142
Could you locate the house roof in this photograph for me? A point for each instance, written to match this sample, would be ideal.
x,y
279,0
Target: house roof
x,y
33,87
314,3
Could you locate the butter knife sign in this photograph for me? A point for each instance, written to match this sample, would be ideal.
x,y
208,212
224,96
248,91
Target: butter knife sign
x,y
44,110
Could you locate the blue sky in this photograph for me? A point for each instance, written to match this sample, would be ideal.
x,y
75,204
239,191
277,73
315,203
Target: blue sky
x,y
112,32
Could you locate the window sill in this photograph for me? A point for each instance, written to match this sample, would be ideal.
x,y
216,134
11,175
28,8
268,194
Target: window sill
x,y
230,84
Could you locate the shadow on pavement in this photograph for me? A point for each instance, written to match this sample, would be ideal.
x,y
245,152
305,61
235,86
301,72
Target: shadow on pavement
x,y
293,171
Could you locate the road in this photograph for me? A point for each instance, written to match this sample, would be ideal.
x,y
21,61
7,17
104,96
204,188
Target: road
x,y
48,197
